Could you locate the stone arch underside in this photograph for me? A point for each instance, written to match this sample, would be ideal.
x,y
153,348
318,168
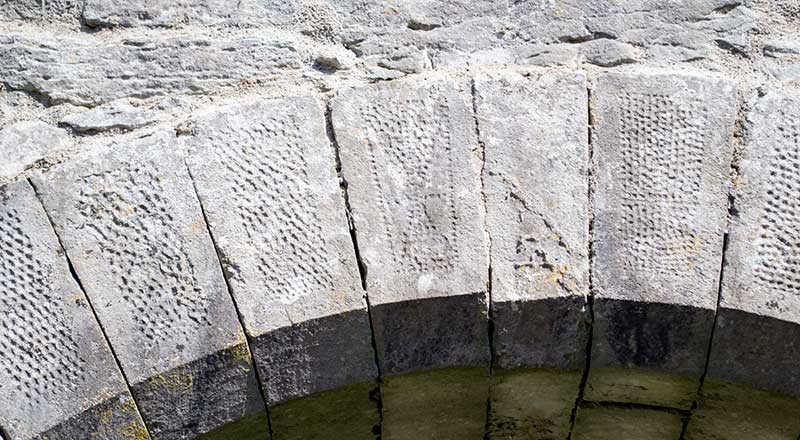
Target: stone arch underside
x,y
441,220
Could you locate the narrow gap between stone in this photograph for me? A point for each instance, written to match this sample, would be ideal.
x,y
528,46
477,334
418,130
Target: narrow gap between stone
x,y
490,311
375,394
590,297
74,274
695,403
4,434
220,259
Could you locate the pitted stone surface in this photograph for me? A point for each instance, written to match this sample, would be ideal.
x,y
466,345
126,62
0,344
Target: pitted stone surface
x,y
25,143
534,132
760,303
132,226
662,148
265,173
56,367
89,72
37,9
410,159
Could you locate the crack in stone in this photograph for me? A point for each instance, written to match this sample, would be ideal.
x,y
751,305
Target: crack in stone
x,y
590,297
375,394
74,274
222,261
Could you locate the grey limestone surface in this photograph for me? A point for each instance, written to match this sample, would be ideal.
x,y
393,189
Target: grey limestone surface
x,y
760,300
25,143
84,71
58,378
409,157
133,228
534,130
662,151
122,115
265,173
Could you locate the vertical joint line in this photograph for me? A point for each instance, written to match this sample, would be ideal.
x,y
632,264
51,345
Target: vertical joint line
x,y
220,259
74,274
482,146
590,297
488,236
362,267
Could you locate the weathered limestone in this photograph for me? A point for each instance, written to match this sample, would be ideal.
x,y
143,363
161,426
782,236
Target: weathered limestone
x,y
132,226
25,143
122,115
265,174
533,127
58,378
89,72
662,148
760,302
37,9
618,423
410,158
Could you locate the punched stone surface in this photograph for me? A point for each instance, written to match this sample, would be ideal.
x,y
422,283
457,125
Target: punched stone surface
x,y
534,131
56,370
410,161
133,228
662,149
265,173
760,303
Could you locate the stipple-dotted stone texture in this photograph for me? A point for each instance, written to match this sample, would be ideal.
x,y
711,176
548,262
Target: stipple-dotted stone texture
x,y
760,295
58,378
534,130
265,173
662,150
133,228
410,160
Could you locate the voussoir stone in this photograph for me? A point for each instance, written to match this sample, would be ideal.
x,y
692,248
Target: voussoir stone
x,y
90,72
757,338
410,159
132,226
58,378
662,151
266,176
25,143
533,127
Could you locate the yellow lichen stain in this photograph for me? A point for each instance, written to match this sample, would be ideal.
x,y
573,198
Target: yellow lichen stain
x,y
128,406
693,246
241,355
181,381
556,275
134,431
125,210
106,416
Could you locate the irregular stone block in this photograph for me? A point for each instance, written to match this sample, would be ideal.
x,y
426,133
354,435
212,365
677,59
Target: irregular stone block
x,y
534,131
24,144
532,404
265,174
618,423
90,72
58,377
760,302
122,115
33,9
410,159
736,412
662,149
447,404
131,224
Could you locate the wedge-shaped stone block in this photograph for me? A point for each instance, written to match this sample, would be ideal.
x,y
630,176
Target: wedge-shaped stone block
x,y
265,173
410,159
131,224
662,150
89,72
760,303
620,423
24,144
534,128
738,412
58,377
